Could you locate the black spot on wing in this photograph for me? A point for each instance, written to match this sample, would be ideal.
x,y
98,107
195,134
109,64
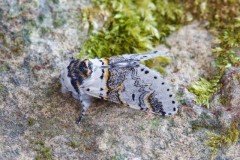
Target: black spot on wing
x,y
102,74
101,61
133,97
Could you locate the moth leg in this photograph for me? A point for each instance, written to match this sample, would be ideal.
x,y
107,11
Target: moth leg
x,y
85,101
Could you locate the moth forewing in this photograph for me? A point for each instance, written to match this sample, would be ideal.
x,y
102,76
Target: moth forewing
x,y
120,79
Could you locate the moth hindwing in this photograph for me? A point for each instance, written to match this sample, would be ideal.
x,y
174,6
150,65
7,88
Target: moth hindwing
x,y
120,79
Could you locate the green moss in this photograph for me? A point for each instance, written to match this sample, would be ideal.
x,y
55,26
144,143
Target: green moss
x,y
58,20
118,157
205,121
73,144
4,67
224,22
218,13
2,88
158,63
43,152
132,26
31,122
224,100
55,1
230,136
41,18
204,90
154,123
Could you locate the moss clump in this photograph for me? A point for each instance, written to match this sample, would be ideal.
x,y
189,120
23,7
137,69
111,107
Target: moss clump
x,y
58,20
227,44
31,122
158,63
43,152
205,122
154,123
204,90
230,136
4,66
218,13
224,22
118,157
73,144
132,26
2,88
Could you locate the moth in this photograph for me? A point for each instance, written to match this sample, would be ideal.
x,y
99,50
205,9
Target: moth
x,y
119,79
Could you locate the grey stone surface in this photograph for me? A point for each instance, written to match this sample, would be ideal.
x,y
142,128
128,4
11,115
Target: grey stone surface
x,y
38,121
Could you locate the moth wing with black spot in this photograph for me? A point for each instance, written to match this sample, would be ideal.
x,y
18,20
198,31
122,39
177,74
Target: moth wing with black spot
x,y
95,85
161,100
132,60
145,89
119,80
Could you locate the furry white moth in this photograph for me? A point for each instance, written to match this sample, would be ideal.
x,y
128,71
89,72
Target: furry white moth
x,y
120,79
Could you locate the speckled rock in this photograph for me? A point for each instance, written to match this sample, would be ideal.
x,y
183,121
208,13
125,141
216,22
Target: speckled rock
x,y
227,101
38,121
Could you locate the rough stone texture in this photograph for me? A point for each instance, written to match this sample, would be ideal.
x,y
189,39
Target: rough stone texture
x,y
37,121
227,101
